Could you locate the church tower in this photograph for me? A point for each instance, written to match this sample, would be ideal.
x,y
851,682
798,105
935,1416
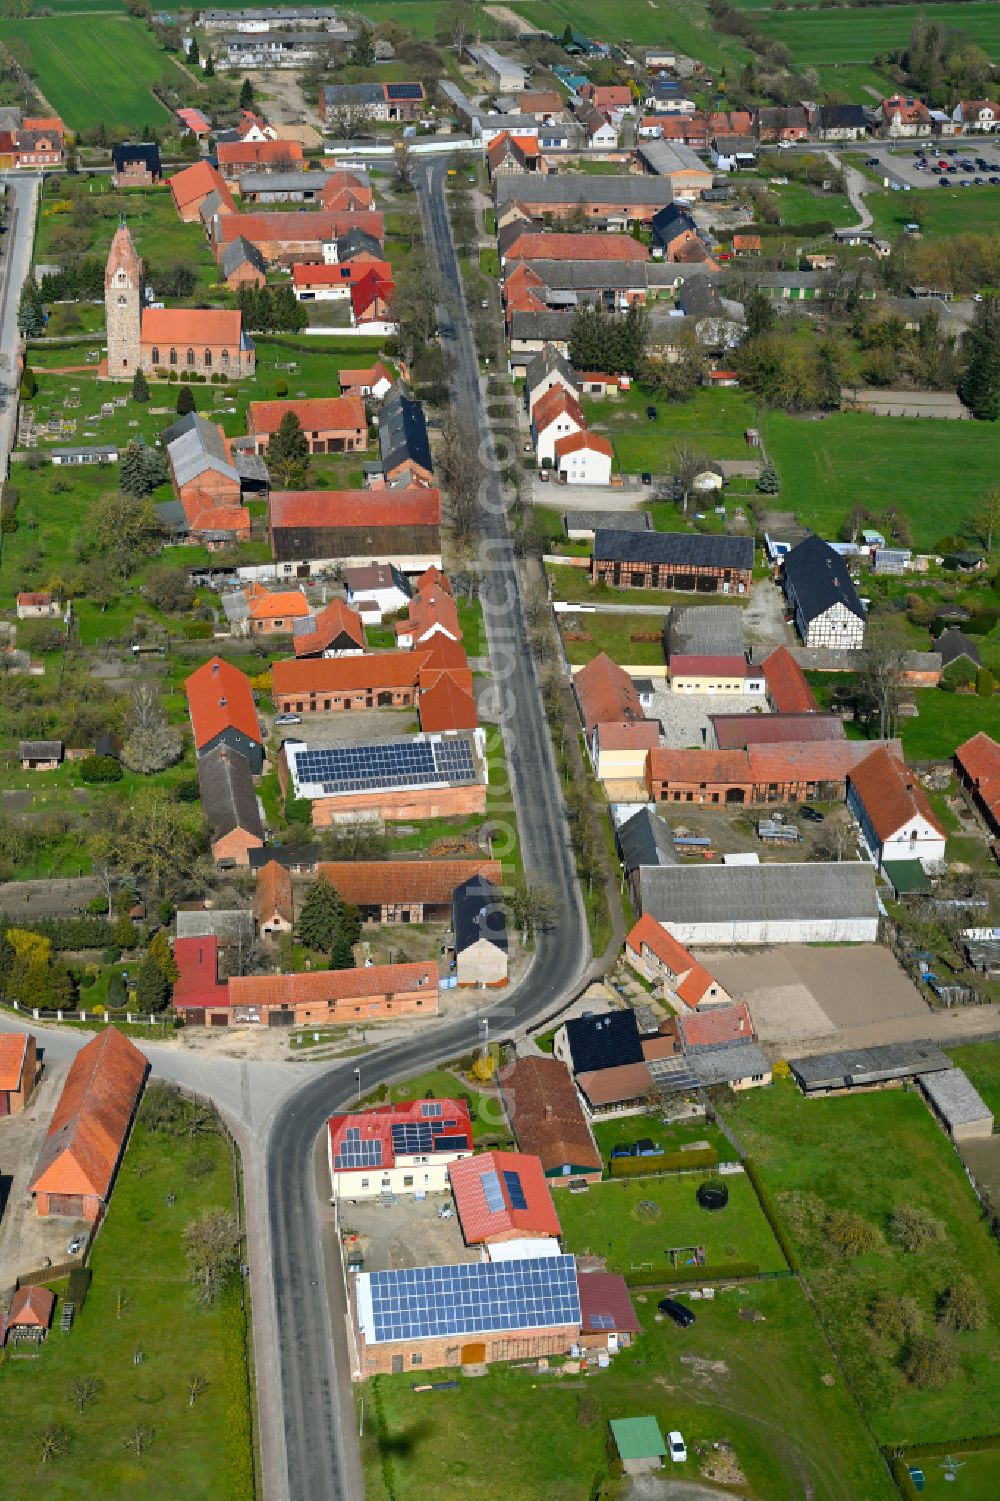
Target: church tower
x,y
123,305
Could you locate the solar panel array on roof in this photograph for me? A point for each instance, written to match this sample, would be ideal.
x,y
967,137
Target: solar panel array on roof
x,y
433,1107
493,1192
412,1137
397,91
602,1321
515,1192
392,763
354,1152
475,1298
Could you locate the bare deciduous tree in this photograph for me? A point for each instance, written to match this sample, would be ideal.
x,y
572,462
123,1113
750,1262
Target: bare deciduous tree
x,y
151,742
52,1442
85,1389
196,1387
211,1244
138,1439
882,672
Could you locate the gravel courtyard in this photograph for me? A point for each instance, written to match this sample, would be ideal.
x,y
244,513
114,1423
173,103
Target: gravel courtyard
x,y
800,992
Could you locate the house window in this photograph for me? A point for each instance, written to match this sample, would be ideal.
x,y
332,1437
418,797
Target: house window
x,y
156,355
173,357
225,359
364,1183
407,1180
190,359
416,1359
208,359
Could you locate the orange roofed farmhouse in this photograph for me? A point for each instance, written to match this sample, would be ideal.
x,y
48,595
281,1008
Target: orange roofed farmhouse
x,y
208,341
81,1152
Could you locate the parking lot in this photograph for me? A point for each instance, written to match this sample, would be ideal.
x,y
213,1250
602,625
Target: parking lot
x,y
408,1232
901,165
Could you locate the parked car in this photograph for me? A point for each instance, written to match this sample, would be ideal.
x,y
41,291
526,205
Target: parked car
x,y
679,1312
811,815
287,719
786,145
651,413
676,1447
872,161
646,477
76,1245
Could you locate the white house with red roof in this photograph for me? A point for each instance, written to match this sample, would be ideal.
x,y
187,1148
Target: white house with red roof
x,y
583,459
893,812
397,1149
903,115
503,1196
659,958
557,415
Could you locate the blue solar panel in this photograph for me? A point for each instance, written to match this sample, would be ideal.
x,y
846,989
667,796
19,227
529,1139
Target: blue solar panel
x,y
476,1298
390,763
515,1192
493,1192
403,91
412,1137
353,1152
431,1108
451,1143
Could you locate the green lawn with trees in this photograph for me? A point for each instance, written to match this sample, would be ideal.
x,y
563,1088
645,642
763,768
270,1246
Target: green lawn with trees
x,y
85,1421
895,1248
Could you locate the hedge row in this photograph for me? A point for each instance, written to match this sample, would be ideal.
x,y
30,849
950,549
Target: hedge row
x,y
240,1484
771,1215
658,1275
901,1478
664,1162
806,231
981,1444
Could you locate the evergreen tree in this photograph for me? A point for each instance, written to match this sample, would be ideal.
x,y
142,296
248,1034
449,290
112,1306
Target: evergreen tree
x,y
209,67
979,386
155,468
151,989
159,949
363,51
30,312
132,470
117,995
194,56
342,954
185,401
7,955
140,390
246,94
320,917
288,453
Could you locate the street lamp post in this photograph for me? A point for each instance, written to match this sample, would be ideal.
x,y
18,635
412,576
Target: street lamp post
x,y
357,1075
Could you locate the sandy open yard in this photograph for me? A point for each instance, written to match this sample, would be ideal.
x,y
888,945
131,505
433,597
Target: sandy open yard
x,y
799,992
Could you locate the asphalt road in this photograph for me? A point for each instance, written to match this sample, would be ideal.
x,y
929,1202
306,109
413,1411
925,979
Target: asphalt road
x,y
13,270
319,1425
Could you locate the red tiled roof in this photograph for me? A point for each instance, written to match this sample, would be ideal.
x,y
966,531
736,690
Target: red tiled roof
x,y
576,442
376,1125
197,984
29,597
219,698
432,578
197,326
628,734
307,225
546,1115
708,666
540,102
717,1025
786,683
608,95
609,1086
320,415
442,655
193,183
389,669
693,980
480,1223
670,765
88,1128
205,514
979,758
369,883
603,1296
374,286
267,605
194,120
746,242
446,705
891,794
341,273
31,1308
535,245
911,111
557,402
371,377
251,153
273,896
331,985
13,1053
606,693
334,620
430,606
416,505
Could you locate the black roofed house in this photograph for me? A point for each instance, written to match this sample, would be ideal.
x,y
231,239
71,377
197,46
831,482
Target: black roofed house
x,y
673,560
547,369
954,645
842,122
730,153
136,164
673,228
355,242
403,442
822,596
39,755
590,1043
229,803
242,264
479,928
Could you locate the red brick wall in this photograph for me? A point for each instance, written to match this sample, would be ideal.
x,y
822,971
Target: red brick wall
x,y
448,1351
447,802
236,846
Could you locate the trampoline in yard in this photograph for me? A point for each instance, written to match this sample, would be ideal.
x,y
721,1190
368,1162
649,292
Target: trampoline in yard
x,y
713,1195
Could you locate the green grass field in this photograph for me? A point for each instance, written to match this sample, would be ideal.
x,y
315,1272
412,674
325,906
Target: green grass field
x,y
606,1221
712,421
815,37
613,634
140,1250
826,466
93,68
952,211
685,24
981,1061
870,1153
946,720
764,1387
